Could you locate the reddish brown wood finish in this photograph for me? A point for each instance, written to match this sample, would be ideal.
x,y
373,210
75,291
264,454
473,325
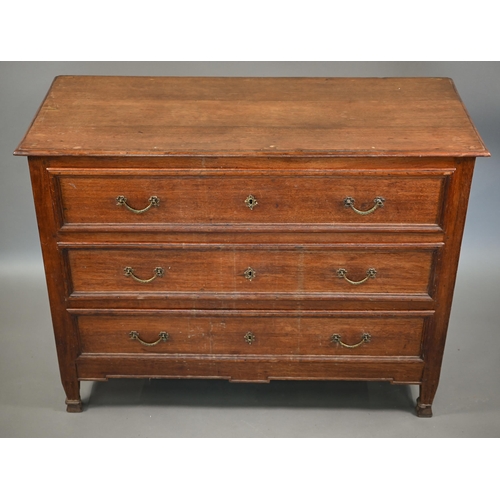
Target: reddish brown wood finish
x,y
300,147
457,200
57,286
195,333
109,116
212,270
250,369
216,199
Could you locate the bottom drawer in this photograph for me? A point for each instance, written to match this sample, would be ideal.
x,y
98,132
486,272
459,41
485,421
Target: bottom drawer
x,y
230,333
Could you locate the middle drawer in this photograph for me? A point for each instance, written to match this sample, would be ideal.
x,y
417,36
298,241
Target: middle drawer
x,y
233,270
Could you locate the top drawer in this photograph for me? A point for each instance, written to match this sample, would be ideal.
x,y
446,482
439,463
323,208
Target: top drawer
x,y
133,198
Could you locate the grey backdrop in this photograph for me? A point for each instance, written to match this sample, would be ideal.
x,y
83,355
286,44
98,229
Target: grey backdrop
x,y
31,397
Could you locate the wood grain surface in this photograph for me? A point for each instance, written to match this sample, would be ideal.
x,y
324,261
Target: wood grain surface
x,y
213,270
300,146
191,333
250,368
217,199
106,116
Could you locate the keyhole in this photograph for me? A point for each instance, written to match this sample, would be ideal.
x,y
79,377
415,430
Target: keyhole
x,y
250,274
251,202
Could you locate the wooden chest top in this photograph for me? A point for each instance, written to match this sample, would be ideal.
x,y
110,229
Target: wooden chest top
x,y
177,116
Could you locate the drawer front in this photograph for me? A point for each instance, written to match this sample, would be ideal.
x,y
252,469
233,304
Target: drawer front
x,y
214,199
251,335
247,271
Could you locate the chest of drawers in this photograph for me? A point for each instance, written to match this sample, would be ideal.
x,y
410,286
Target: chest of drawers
x,y
251,229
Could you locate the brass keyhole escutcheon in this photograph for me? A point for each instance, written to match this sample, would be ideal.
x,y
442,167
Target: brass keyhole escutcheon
x,y
251,201
249,338
250,274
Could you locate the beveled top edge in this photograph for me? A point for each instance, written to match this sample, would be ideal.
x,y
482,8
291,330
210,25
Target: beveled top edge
x,y
264,154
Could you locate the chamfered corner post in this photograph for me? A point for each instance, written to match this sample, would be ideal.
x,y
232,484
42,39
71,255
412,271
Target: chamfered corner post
x,y
45,196
456,201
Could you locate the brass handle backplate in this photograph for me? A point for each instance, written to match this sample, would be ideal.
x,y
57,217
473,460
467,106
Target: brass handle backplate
x,y
251,201
365,338
379,202
249,338
154,201
370,273
158,273
163,337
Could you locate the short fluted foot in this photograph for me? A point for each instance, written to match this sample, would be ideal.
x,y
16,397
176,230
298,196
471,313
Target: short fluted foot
x,y
423,411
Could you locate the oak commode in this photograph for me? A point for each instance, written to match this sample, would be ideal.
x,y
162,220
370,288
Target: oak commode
x,y
251,229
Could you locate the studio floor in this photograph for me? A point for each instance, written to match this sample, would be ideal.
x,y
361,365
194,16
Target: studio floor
x,y
467,403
